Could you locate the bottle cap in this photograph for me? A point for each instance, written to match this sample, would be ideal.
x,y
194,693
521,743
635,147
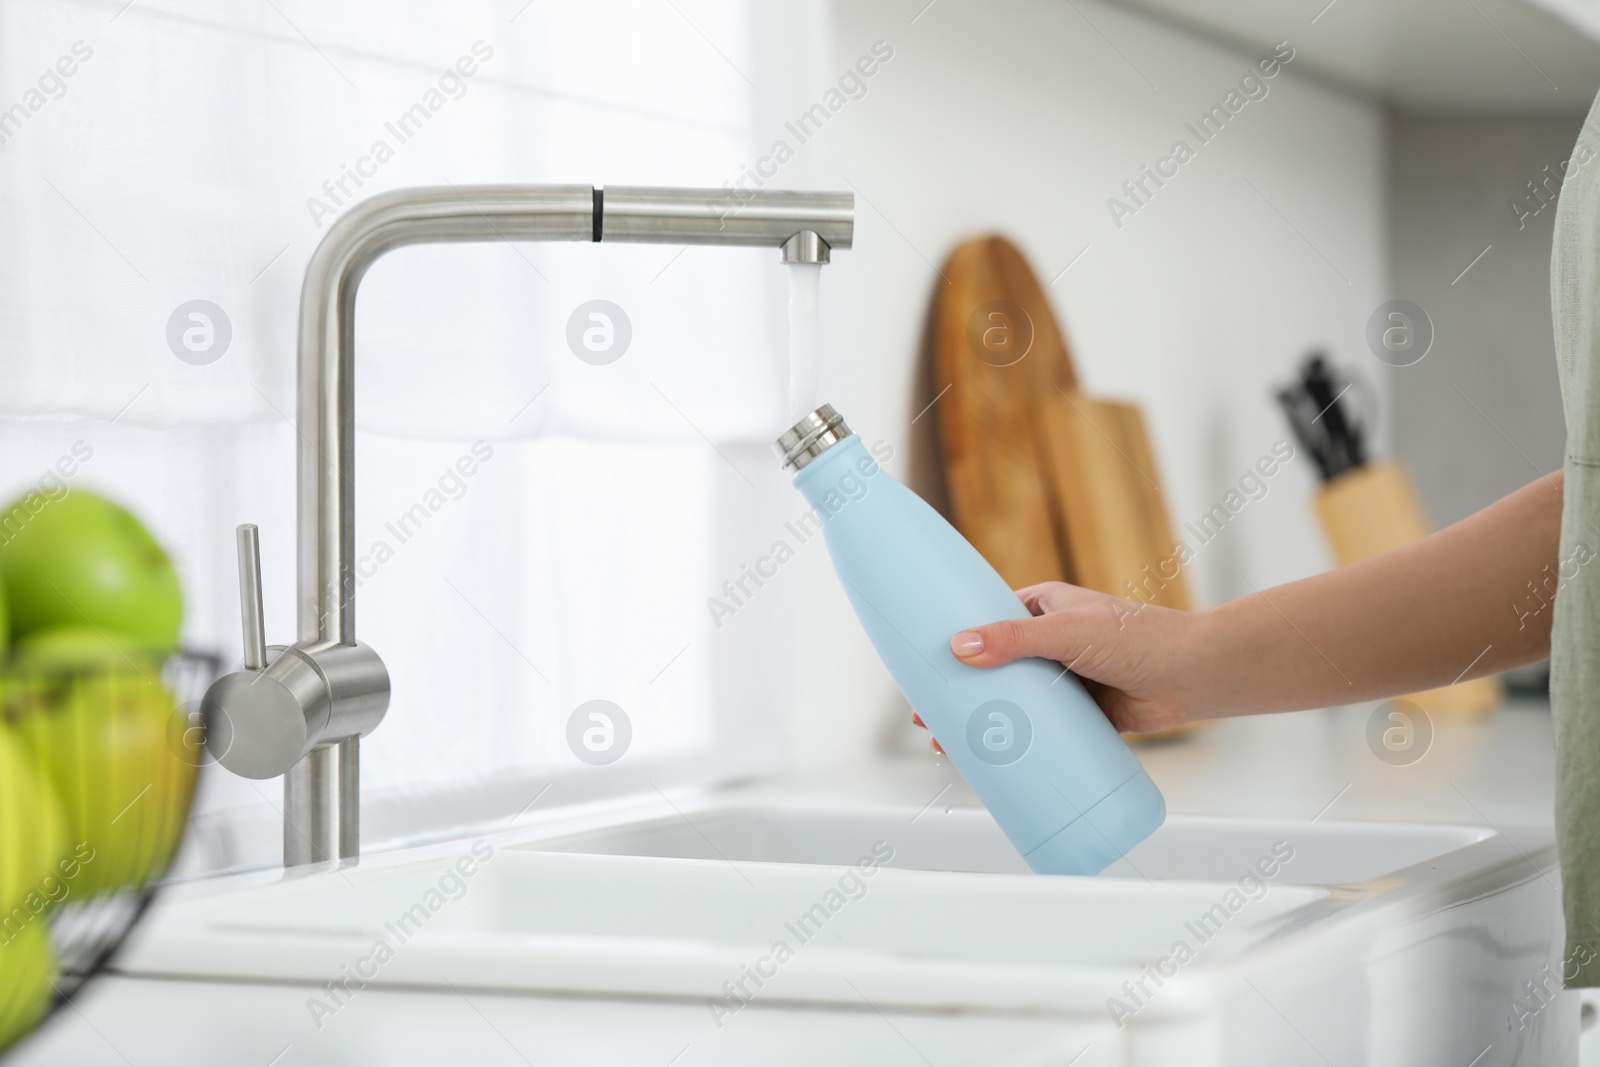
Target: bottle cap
x,y
811,437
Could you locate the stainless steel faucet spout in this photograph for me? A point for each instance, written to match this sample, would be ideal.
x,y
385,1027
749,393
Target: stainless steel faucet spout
x,y
328,690
720,217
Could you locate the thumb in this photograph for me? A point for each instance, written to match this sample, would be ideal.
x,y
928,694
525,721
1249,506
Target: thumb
x,y
1059,635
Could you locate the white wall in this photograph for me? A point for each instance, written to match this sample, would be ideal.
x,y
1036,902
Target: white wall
x,y
1024,117
1480,415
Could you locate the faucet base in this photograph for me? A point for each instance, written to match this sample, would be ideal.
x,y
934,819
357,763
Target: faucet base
x,y
322,805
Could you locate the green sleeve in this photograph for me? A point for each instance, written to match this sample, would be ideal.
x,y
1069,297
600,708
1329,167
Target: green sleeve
x,y
1575,640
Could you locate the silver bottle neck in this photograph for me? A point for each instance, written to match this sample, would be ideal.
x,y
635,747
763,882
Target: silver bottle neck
x,y
811,437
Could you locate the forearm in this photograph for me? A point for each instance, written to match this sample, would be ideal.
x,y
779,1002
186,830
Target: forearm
x,y
1470,600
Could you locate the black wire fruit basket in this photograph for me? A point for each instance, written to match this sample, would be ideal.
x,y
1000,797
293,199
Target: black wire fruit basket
x,y
101,749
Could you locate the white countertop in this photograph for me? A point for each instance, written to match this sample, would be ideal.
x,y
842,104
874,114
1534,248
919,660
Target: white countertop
x,y
1500,767
1498,770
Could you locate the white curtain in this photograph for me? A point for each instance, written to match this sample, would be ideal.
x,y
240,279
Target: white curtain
x,y
197,151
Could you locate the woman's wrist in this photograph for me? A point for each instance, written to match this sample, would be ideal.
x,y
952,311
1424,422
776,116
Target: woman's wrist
x,y
1200,680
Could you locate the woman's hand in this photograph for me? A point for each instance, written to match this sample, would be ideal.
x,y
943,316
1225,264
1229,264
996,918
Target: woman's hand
x,y
1427,614
1141,663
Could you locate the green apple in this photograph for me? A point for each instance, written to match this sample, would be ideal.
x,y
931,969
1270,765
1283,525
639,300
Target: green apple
x,y
93,711
28,967
80,649
81,560
33,833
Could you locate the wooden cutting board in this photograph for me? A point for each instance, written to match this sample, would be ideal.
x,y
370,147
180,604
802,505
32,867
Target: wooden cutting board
x,y
996,349
1103,476
1047,483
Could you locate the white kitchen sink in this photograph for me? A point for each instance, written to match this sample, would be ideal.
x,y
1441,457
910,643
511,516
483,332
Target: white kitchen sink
x,y
967,839
1363,943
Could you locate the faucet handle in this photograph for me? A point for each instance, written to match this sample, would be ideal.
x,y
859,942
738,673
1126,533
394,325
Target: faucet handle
x,y
250,609
262,720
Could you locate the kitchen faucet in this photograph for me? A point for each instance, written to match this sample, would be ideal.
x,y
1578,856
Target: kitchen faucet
x,y
301,710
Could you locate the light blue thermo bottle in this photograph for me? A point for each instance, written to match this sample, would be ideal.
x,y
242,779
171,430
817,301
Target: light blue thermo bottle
x,y
1036,749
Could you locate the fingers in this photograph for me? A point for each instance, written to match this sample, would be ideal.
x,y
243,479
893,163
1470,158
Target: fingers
x,y
1042,597
932,743
1056,635
1045,597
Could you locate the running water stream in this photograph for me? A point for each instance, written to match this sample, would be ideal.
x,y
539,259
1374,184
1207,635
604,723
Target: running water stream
x,y
805,338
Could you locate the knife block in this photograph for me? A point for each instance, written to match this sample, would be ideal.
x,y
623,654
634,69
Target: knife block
x,y
1375,508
